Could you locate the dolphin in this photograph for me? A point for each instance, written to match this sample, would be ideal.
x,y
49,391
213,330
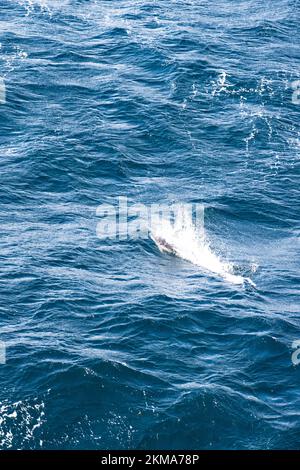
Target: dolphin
x,y
164,246
204,258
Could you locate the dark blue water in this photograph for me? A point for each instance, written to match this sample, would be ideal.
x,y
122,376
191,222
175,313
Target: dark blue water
x,y
111,344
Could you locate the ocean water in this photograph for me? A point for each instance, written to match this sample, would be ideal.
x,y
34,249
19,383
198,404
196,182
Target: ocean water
x,y
113,344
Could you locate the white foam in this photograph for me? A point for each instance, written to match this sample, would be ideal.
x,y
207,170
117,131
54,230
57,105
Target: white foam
x,y
194,247
43,5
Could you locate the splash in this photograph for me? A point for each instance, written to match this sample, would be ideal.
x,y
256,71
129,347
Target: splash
x,y
45,6
183,240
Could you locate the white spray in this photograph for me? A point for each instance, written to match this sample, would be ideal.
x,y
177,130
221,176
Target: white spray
x,y
184,241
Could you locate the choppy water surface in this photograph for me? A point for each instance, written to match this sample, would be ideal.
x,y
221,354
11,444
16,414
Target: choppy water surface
x,y
113,344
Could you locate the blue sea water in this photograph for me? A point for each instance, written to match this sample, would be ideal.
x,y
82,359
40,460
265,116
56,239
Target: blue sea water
x,y
111,344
